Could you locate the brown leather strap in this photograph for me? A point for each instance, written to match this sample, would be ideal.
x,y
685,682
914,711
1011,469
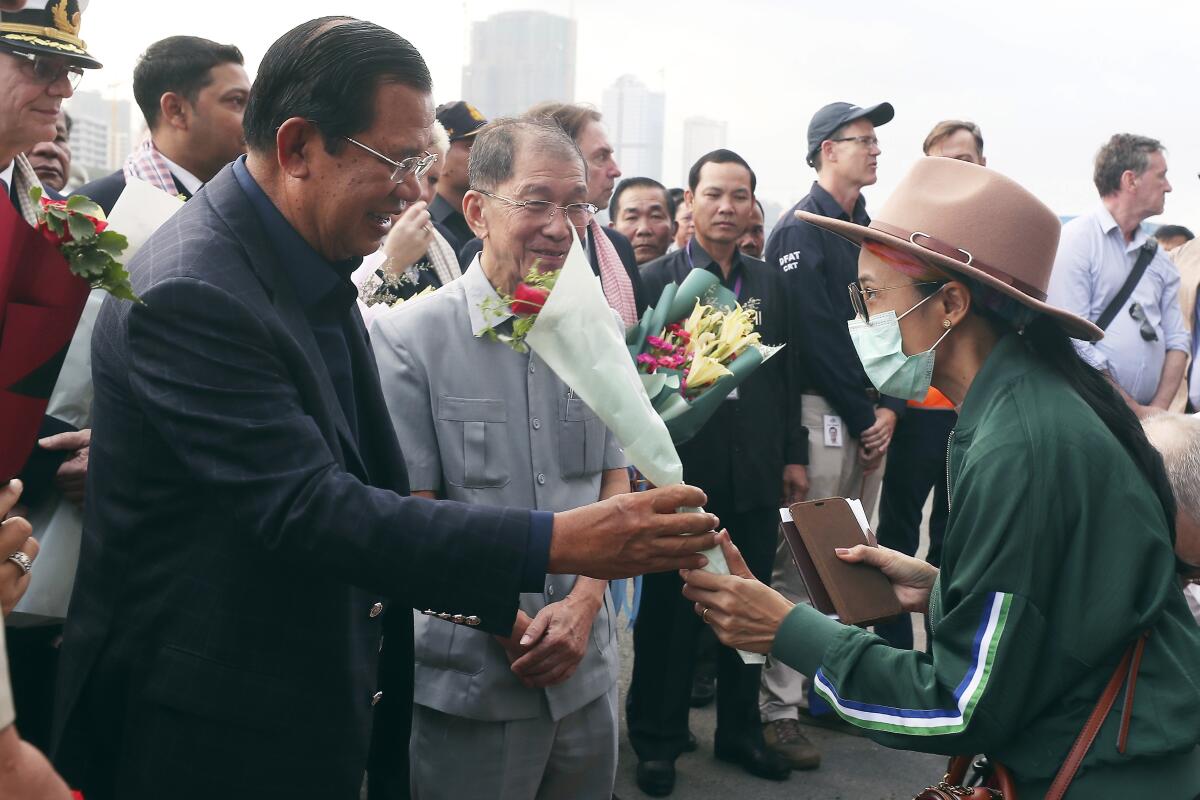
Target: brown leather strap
x,y
1091,728
926,241
1130,684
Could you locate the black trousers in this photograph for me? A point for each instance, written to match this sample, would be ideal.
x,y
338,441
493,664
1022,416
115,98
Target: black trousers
x,y
664,653
916,463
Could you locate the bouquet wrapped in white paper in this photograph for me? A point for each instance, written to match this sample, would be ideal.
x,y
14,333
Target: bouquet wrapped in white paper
x,y
576,333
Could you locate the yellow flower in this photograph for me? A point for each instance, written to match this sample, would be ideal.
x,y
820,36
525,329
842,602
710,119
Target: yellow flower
x,y
736,334
704,371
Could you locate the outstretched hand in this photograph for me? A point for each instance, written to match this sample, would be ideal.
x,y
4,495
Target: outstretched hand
x,y
633,534
743,612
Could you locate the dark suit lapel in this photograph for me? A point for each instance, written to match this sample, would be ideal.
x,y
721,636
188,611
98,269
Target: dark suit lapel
x,y
385,460
231,204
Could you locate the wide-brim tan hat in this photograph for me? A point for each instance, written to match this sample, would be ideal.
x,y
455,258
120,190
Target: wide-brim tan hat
x,y
964,218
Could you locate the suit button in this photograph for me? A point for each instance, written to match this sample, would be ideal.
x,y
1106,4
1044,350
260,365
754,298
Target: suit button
x,y
472,620
541,479
376,610
531,368
444,615
429,612
375,698
459,619
537,424
550,590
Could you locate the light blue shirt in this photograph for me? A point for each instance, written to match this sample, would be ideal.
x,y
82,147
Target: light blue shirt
x,y
1092,264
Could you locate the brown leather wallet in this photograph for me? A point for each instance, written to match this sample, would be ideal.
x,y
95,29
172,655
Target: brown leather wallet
x,y
858,594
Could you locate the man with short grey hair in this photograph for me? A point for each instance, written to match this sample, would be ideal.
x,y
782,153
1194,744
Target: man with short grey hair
x,y
1177,438
481,423
1110,271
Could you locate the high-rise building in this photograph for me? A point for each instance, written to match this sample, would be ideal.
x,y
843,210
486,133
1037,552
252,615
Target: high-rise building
x,y
100,132
634,117
701,135
519,58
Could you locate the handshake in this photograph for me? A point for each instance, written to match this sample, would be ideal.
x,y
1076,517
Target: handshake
x,y
633,534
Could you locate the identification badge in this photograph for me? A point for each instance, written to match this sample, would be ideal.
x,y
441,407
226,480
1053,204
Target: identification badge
x,y
833,431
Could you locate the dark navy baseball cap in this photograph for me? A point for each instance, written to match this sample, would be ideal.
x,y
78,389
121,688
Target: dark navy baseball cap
x,y
835,115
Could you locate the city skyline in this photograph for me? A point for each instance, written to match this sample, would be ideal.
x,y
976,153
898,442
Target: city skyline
x,y
101,135
1015,82
634,116
518,59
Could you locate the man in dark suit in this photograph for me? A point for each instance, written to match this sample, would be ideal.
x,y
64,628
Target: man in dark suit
x,y
246,520
747,458
192,93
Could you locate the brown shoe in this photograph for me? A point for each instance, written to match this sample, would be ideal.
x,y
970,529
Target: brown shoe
x,y
784,737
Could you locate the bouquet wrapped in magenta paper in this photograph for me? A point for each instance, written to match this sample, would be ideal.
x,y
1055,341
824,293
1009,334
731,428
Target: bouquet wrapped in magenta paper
x,y
693,349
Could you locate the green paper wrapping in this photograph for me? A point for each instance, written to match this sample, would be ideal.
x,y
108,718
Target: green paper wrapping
x,y
694,286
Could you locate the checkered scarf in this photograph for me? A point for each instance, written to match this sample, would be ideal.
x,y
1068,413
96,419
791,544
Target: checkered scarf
x,y
441,256
147,164
618,289
24,179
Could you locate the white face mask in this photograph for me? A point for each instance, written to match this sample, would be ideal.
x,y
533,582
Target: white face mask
x,y
880,347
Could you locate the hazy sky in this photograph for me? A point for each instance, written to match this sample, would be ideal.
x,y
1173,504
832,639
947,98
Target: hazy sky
x,y
1047,81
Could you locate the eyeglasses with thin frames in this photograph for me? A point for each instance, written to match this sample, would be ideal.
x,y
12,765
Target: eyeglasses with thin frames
x,y
579,214
866,141
416,166
47,70
859,296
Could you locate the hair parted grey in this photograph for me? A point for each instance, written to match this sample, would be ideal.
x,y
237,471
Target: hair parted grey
x,y
494,153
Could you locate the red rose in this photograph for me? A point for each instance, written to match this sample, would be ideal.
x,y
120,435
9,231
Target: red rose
x,y
528,300
53,237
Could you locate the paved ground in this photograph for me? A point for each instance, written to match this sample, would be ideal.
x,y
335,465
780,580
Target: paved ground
x,y
851,766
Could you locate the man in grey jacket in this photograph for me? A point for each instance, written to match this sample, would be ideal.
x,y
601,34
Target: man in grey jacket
x,y
481,423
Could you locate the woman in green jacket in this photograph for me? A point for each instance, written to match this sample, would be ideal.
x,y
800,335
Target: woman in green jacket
x,y
1058,553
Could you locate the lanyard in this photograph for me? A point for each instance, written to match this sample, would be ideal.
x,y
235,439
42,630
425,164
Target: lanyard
x,y
737,285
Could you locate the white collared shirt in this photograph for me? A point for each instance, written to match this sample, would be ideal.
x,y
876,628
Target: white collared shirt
x,y
6,174
1091,265
189,181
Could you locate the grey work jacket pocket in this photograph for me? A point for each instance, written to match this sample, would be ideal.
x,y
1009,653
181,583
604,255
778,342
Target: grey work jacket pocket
x,y
580,439
472,436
